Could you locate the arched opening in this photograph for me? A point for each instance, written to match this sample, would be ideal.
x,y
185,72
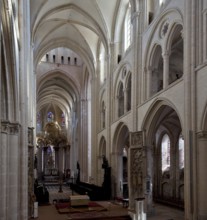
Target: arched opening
x,y
121,141
52,144
157,71
127,28
176,55
57,102
165,153
165,160
129,92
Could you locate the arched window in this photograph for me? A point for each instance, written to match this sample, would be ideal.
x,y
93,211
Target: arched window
x,y
161,2
50,117
63,119
129,93
156,83
62,59
165,152
181,152
176,55
102,64
120,100
127,29
38,119
103,115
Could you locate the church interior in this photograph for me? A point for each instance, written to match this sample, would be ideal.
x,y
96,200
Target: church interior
x,y
106,99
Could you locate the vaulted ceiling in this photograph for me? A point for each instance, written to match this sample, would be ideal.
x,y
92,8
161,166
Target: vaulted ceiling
x,y
80,25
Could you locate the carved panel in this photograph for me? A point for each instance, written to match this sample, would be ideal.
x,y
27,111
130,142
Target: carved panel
x,y
137,171
9,128
202,134
136,139
136,164
30,136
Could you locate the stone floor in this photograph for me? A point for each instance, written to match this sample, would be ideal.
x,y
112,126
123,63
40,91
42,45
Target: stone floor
x,y
49,212
163,212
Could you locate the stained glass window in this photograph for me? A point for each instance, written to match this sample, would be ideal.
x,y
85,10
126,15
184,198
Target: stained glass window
x,y
181,152
165,152
50,117
63,119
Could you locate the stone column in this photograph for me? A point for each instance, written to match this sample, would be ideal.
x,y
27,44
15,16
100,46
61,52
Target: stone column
x,y
148,166
39,162
0,57
136,71
30,170
57,165
190,102
136,171
202,174
3,171
84,154
61,160
149,81
165,69
10,171
23,111
100,171
125,100
140,213
67,158
115,175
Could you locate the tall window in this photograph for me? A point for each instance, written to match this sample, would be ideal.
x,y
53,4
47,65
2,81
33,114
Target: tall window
x,y
103,112
165,152
120,100
63,119
50,117
75,61
181,152
53,58
38,121
47,57
161,2
129,93
102,64
127,29
62,59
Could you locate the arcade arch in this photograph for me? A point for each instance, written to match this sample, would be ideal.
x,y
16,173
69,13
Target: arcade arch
x,y
165,155
120,162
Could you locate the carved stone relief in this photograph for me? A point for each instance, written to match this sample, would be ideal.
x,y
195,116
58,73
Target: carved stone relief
x,y
30,170
136,139
136,164
136,171
9,128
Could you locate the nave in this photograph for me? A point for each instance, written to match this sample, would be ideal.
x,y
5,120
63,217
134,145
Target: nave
x,y
114,210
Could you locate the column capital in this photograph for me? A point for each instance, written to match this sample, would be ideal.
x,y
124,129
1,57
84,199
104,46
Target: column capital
x,y
165,54
135,15
202,134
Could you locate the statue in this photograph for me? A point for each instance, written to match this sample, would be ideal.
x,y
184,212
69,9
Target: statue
x,y
107,178
78,176
105,162
35,162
